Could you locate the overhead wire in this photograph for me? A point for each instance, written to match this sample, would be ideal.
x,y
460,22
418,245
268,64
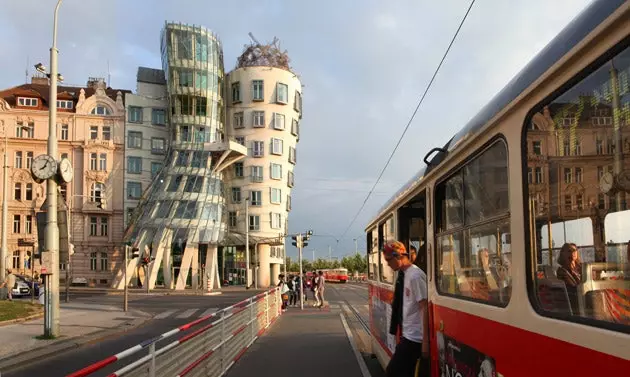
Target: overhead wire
x,y
413,115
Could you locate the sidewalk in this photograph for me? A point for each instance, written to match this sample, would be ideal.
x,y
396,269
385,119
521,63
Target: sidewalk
x,y
309,343
159,291
79,323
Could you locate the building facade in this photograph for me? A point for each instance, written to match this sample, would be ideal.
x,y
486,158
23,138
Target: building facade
x,y
90,131
179,221
263,113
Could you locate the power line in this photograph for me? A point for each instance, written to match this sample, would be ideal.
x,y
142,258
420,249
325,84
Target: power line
x,y
413,115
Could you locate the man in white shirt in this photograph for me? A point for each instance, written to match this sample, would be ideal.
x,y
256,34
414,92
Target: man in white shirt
x,y
409,314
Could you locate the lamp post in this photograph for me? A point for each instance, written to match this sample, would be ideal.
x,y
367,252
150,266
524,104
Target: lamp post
x,y
247,242
5,184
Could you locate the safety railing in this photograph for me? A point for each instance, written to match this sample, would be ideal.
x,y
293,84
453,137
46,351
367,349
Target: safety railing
x,y
210,350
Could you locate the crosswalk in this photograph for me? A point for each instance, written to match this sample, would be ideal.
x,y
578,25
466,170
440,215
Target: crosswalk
x,y
185,313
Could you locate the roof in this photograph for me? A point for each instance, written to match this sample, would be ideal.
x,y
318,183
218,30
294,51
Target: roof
x,y
568,38
151,76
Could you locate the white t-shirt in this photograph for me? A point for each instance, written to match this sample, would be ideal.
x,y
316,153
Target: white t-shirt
x,y
415,290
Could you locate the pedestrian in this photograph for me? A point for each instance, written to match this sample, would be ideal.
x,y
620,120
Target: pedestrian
x,y
320,289
284,292
9,282
409,314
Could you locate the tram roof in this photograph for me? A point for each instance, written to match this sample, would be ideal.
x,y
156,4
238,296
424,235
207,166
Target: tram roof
x,y
572,34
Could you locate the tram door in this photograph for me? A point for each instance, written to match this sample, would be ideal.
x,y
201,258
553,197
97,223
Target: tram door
x,y
412,228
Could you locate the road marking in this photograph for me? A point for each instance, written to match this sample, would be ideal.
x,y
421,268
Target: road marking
x,y
362,366
208,312
187,313
164,314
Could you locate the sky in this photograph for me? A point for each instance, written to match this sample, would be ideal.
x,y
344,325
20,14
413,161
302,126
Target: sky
x,y
364,65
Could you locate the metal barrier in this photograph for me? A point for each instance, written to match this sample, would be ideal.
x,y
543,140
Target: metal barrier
x,y
208,351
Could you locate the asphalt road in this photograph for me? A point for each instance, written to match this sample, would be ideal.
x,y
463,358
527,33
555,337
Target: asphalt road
x,y
169,312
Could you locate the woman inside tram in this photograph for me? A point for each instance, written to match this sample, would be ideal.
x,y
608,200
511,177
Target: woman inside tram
x,y
570,272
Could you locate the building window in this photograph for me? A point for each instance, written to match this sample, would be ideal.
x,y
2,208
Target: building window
x,y
155,168
134,190
256,173
537,147
568,175
282,93
530,175
579,201
276,220
599,146
238,120
17,192
258,148
292,155
97,193
158,117
102,161
104,223
93,132
259,119
290,179
17,222
135,114
240,140
28,225
107,133
93,261
232,219
236,194
93,161
184,134
29,191
276,171
201,106
100,110
539,175
134,165
568,202
258,90
256,197
276,146
238,170
64,132
288,202
236,92
104,262
30,102
276,195
297,105
29,159
18,160
19,129
158,145
278,121
295,128
578,175
134,139
254,222
16,259
62,104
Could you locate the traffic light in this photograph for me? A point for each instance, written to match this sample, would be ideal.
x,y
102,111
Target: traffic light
x,y
295,241
306,238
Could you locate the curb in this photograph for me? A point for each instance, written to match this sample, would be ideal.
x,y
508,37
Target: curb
x,y
15,362
23,319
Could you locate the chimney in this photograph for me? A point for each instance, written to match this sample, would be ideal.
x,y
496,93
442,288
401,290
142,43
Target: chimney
x,y
39,80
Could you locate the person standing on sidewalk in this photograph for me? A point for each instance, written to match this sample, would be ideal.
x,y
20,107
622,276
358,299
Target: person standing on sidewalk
x,y
409,314
320,289
9,282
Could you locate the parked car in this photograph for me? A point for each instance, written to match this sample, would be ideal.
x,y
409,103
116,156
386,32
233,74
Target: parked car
x,y
25,284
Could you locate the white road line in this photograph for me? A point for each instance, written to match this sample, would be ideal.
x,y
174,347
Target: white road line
x,y
164,314
187,313
364,369
208,312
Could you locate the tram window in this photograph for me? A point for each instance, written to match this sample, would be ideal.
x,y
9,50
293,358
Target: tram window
x,y
473,248
586,131
388,233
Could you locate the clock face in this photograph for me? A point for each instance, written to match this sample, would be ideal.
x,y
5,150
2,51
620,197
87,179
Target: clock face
x,y
65,170
624,180
606,182
43,167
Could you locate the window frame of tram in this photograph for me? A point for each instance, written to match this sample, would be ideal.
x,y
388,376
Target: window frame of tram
x,y
595,291
476,224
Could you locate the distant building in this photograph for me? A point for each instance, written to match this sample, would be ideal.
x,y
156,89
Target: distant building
x,y
90,131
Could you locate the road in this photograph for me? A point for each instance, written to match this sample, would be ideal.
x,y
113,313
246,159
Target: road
x,y
168,312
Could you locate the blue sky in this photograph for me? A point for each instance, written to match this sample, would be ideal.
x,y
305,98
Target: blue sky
x,y
364,65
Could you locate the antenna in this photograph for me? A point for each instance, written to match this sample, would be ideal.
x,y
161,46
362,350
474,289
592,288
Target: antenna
x,y
26,71
109,76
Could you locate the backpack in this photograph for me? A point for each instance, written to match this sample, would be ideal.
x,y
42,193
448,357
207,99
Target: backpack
x,y
290,284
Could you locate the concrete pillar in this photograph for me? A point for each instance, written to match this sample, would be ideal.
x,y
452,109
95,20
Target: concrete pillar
x,y
264,280
212,268
275,271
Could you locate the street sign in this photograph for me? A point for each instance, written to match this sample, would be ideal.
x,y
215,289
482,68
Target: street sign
x,y
46,261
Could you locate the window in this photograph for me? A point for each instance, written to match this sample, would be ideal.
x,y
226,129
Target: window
x,y
258,148
201,106
17,221
102,161
240,140
30,102
93,132
539,175
276,171
107,133
473,231
292,155
135,114
29,159
18,160
259,119
104,262
93,226
256,197
28,225
276,146
295,128
236,194
238,120
104,222
257,90
537,147
134,139
185,78
232,219
236,92
29,191
155,168
62,104
530,175
182,158
97,193
101,110
174,183
16,259
278,121
254,222
93,161
134,190
276,196
297,105
19,129
17,192
288,202
282,93
257,173
158,117
568,174
93,261
134,165
276,220
587,221
158,145
64,132
290,179
238,170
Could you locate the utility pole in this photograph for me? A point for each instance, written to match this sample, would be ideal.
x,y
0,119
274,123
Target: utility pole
x,y
300,247
356,249
329,254
5,184
126,294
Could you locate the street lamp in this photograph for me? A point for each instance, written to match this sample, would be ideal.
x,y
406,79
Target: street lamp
x,y
5,180
247,241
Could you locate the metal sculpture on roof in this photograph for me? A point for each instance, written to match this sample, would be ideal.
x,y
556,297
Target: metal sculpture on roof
x,y
257,54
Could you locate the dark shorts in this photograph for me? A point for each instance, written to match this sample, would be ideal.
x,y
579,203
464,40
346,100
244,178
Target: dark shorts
x,y
404,360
